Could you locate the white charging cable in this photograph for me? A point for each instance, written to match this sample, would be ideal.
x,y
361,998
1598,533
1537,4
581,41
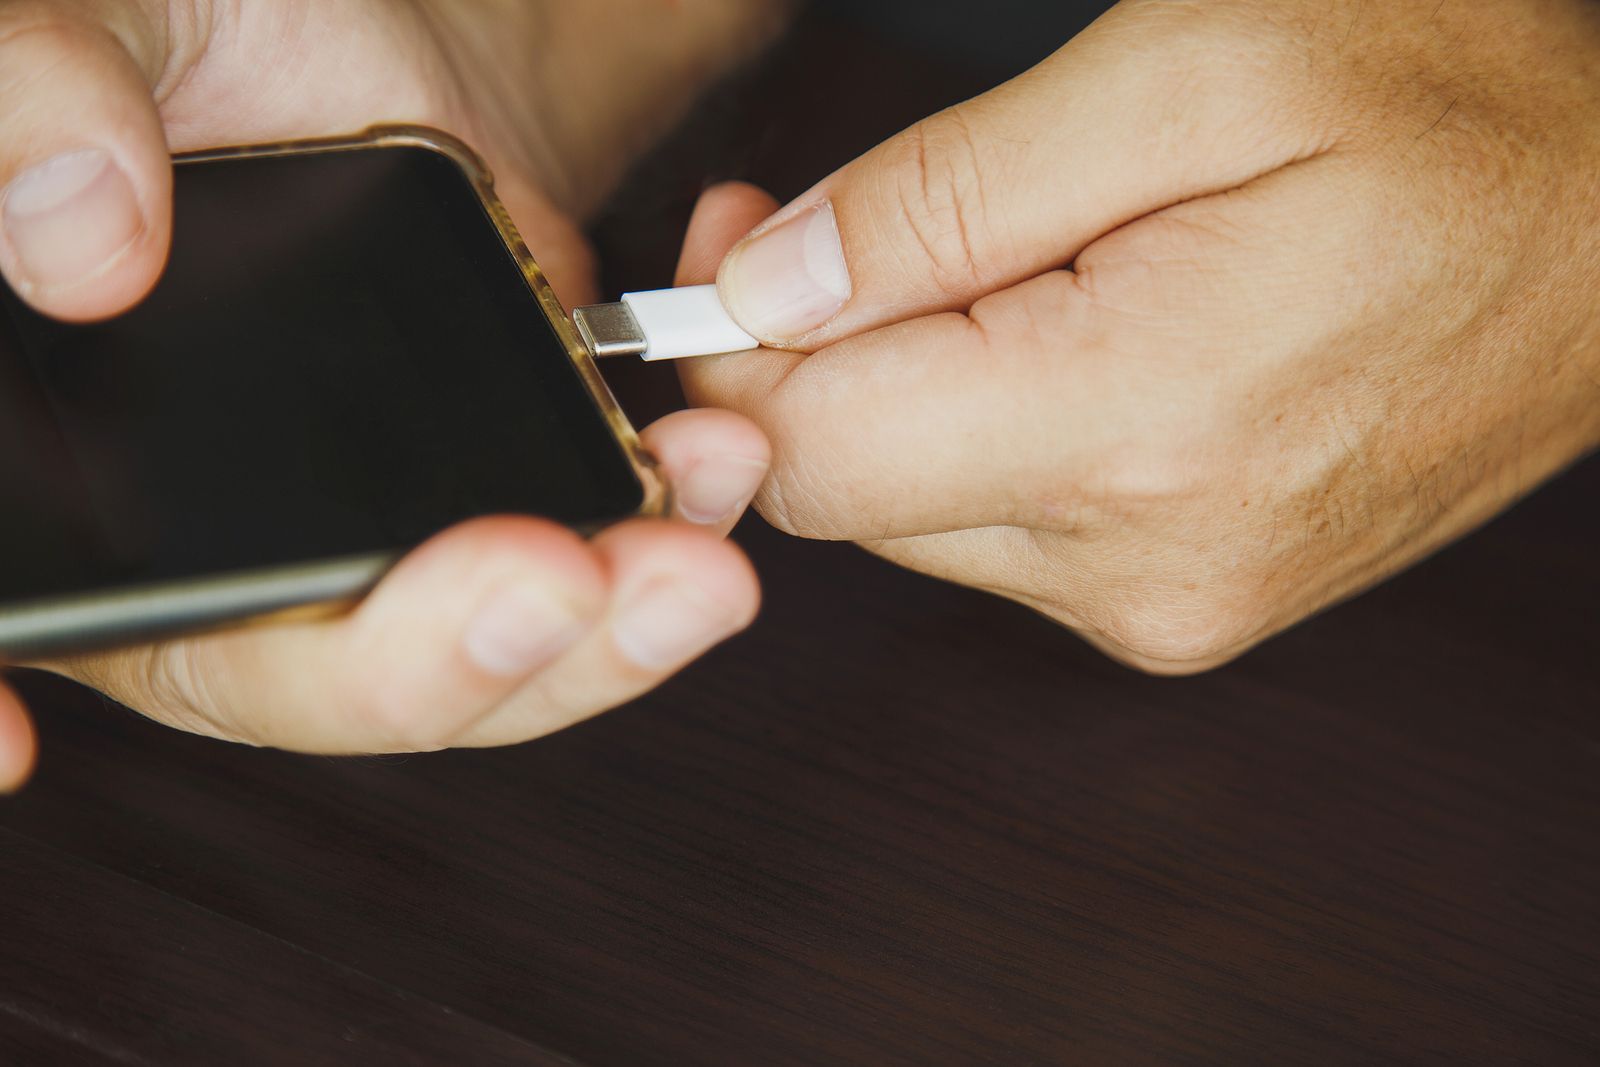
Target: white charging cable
x,y
662,324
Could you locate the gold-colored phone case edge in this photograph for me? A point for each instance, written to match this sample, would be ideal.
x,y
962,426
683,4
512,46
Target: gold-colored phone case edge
x,y
32,630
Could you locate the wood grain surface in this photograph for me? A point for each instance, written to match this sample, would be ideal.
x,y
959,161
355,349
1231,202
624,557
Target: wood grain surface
x,y
896,822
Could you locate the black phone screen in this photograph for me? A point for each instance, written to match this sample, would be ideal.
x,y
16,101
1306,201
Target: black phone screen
x,y
342,357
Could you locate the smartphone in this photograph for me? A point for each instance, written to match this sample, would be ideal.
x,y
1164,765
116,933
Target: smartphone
x,y
350,349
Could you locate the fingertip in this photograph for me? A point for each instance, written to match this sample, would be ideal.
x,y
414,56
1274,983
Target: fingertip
x,y
676,592
506,592
456,626
18,743
127,279
85,176
512,542
724,214
80,240
478,607
715,461
735,196
672,592
647,552
686,436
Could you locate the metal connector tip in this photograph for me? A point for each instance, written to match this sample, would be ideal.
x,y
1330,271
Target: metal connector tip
x,y
610,330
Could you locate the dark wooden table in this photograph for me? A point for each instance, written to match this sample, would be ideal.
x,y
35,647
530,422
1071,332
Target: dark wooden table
x,y
897,822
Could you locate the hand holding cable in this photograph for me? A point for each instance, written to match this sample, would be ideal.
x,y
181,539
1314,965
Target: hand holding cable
x,y
1217,316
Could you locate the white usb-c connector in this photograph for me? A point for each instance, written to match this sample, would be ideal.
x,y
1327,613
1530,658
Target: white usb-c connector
x,y
662,324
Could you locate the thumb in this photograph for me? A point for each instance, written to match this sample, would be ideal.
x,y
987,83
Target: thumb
x,y
1131,116
85,207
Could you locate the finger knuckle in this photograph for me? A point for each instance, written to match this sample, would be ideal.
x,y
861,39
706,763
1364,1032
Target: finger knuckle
x,y
815,486
1144,476
941,199
1179,630
171,683
1255,107
166,680
797,498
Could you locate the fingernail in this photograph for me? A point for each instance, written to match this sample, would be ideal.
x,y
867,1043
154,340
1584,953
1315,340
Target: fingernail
x,y
668,623
791,279
719,486
519,629
69,218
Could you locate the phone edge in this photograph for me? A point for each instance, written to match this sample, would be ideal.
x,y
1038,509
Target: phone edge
x,y
95,621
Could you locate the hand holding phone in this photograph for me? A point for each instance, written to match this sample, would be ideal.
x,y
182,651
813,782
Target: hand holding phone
x,y
350,349
344,354
494,632
94,98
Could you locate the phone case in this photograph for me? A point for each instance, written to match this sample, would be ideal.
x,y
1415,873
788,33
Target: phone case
x,y
317,588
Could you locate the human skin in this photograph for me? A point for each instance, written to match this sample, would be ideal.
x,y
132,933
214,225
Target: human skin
x,y
496,631
1219,315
